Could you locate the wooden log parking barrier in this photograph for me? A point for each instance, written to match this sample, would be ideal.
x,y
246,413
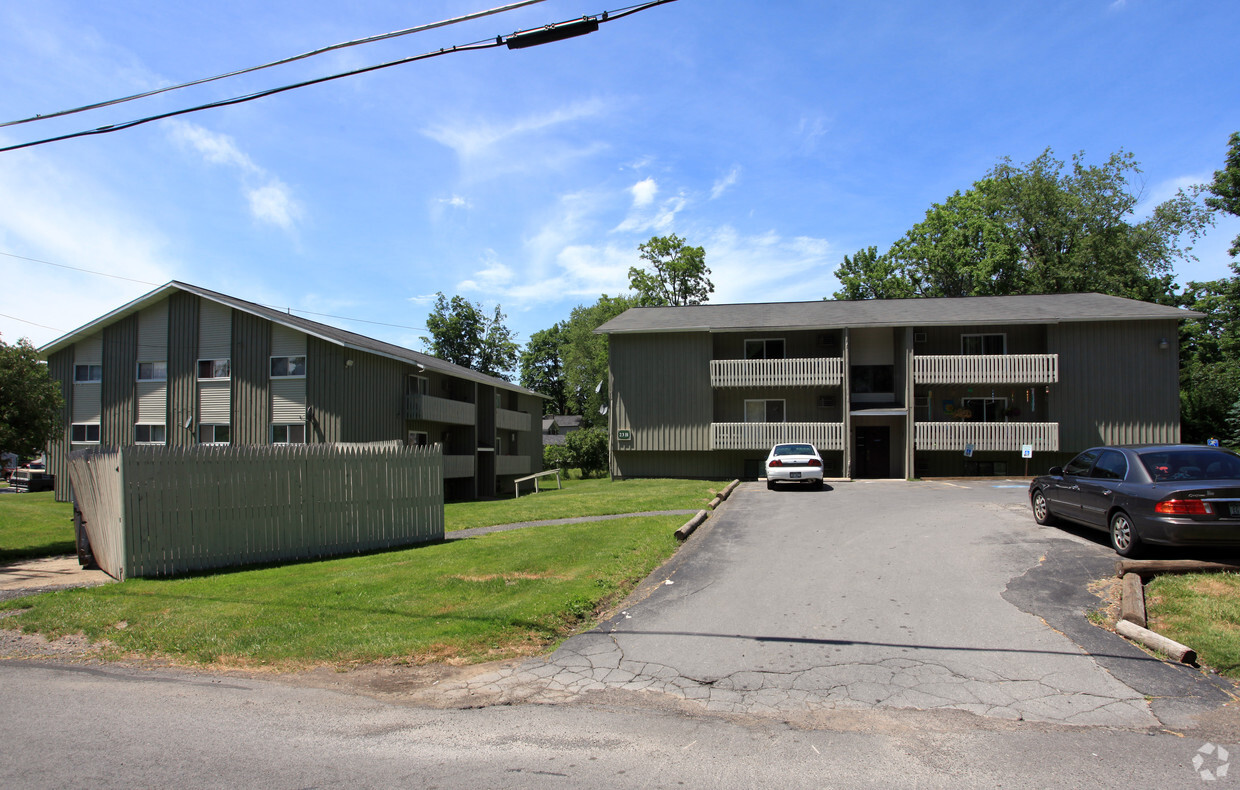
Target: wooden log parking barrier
x,y
1148,568
1132,600
692,524
727,492
1168,647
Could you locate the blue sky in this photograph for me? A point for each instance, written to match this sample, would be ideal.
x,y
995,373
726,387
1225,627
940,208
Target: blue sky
x,y
779,136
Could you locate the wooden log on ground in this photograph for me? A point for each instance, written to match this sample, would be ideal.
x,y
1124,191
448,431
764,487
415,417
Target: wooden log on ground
x,y
1132,600
1147,568
716,502
727,492
1168,647
691,525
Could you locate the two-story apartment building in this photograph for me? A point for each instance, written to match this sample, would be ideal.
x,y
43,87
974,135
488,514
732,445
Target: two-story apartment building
x,y
890,389
183,365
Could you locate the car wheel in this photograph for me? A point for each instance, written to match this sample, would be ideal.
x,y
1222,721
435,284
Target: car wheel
x,y
770,485
1041,509
1124,538
817,484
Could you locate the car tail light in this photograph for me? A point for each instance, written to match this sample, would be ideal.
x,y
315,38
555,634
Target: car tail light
x,y
1184,507
776,462
815,462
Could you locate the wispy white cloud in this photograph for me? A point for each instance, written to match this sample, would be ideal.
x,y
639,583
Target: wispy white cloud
x,y
724,183
270,200
456,201
493,276
657,218
811,130
644,192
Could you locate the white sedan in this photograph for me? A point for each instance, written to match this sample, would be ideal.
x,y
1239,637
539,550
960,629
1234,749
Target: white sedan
x,y
794,463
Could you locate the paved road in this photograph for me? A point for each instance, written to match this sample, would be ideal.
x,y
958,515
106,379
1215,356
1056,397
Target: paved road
x,y
871,595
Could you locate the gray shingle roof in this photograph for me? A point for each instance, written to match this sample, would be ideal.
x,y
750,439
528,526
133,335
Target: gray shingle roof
x,y
823,314
329,333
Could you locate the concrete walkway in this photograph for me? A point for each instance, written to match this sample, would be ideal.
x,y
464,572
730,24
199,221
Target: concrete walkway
x,y
871,595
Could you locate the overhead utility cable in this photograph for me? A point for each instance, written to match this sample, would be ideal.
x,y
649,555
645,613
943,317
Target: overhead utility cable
x,y
281,62
521,39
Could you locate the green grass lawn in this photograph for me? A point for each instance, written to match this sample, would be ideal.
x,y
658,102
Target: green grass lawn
x,y
498,596
598,497
34,525
503,595
1201,610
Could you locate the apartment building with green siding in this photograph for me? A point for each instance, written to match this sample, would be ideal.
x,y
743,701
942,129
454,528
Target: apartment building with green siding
x,y
183,365
890,388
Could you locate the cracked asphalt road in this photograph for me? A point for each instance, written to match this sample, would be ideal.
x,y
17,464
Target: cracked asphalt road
x,y
877,594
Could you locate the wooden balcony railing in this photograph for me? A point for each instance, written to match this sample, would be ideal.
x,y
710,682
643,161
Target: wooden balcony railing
x,y
764,435
432,409
815,372
458,466
507,420
1044,436
987,369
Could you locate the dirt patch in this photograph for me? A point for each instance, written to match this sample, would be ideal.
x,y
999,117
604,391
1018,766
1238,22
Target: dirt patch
x,y
49,573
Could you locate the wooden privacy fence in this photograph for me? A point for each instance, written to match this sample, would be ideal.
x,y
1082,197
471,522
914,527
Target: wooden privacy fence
x,y
159,511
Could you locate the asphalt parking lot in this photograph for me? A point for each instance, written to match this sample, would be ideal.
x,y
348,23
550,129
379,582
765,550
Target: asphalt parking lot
x,y
874,594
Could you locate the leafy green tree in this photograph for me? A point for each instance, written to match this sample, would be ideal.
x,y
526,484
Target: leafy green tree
x,y
542,368
30,401
461,333
555,456
678,274
585,357
1233,427
1036,228
1225,189
587,450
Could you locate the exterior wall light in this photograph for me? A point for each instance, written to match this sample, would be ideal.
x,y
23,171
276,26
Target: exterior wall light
x,y
1163,344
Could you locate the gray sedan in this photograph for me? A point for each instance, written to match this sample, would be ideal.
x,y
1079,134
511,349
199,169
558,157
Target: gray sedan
x,y
1171,495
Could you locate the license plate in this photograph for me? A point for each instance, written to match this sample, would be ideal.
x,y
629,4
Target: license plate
x,y
796,475
1234,507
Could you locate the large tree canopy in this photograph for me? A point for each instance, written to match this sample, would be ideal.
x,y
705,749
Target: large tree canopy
x,y
678,275
542,368
585,356
1225,189
1035,228
30,401
461,333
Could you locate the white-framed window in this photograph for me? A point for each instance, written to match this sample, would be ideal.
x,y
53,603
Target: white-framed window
x,y
84,433
764,348
214,369
985,409
765,411
152,371
288,367
87,374
419,385
148,433
289,433
983,344
214,434
419,439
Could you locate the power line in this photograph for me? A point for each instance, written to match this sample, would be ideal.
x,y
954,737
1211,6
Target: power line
x,y
517,40
76,269
281,62
32,323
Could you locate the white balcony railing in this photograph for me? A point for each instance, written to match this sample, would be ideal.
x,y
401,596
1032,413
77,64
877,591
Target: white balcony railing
x,y
1044,436
816,372
432,409
458,466
513,465
764,435
987,369
508,420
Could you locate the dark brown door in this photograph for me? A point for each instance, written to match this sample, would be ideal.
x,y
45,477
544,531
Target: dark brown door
x,y
873,457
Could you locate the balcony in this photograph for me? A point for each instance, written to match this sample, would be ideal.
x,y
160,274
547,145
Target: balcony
x,y
987,369
1044,436
458,466
513,465
824,372
432,409
507,420
764,435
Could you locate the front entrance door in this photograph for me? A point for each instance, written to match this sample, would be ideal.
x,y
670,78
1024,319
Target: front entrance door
x,y
873,457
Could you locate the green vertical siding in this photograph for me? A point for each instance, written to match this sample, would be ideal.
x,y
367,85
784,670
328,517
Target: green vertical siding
x,y
1116,386
60,368
251,378
661,390
182,368
1021,339
120,360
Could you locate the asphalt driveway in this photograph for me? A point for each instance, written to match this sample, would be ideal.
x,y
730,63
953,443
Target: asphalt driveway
x,y
885,594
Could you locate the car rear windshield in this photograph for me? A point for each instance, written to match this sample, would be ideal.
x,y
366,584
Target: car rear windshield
x,y
794,449
1195,464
